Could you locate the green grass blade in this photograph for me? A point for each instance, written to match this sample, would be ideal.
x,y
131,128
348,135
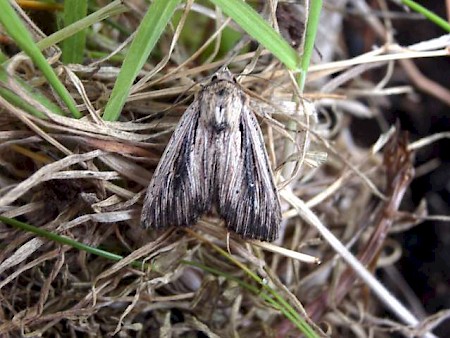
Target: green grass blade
x,y
3,57
265,292
18,101
149,31
428,14
18,32
114,8
247,286
73,47
315,7
249,20
66,240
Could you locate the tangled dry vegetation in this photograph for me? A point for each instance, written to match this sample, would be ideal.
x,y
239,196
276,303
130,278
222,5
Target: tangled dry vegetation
x,y
85,179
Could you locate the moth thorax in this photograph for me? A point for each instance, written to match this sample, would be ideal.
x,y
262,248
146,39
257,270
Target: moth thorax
x,y
220,121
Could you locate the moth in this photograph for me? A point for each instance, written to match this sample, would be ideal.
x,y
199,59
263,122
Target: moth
x,y
216,157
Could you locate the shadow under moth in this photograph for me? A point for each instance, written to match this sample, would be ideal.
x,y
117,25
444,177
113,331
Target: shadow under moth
x,y
216,157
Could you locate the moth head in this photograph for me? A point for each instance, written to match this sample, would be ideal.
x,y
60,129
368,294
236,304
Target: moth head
x,y
223,74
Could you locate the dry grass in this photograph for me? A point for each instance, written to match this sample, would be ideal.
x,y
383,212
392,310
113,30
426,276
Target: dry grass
x,y
85,179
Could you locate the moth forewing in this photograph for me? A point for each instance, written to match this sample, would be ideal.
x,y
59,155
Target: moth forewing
x,y
216,155
178,180
250,205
